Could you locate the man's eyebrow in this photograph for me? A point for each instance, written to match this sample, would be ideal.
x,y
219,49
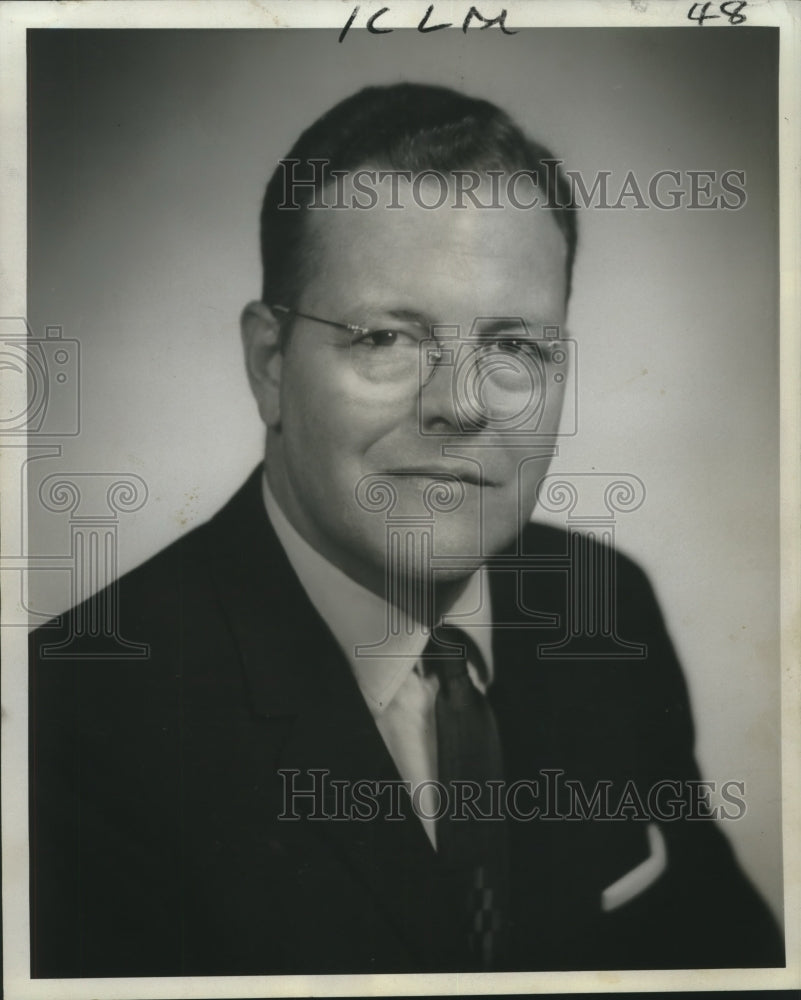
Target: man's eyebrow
x,y
507,323
406,316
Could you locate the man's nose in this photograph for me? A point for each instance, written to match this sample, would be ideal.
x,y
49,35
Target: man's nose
x,y
446,405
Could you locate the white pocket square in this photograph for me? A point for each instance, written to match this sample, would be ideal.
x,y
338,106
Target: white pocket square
x,y
638,879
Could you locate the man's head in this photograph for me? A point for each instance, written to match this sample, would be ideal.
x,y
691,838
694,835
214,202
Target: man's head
x,y
404,127
437,296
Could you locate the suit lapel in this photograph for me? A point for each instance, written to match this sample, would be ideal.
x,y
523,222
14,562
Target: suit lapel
x,y
295,670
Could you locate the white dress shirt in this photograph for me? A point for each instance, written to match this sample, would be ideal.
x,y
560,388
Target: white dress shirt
x,y
399,693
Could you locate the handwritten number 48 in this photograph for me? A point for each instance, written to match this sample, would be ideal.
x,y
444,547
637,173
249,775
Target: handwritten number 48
x,y
730,9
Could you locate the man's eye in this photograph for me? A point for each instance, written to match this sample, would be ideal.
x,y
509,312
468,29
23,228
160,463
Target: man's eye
x,y
385,338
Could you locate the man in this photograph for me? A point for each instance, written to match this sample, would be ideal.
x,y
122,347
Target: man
x,y
363,741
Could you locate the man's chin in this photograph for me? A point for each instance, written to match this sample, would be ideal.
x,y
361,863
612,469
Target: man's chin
x,y
400,547
449,549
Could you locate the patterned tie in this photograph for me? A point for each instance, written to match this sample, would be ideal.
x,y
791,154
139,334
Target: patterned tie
x,y
473,850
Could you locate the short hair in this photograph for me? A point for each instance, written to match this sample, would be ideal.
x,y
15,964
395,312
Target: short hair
x,y
406,126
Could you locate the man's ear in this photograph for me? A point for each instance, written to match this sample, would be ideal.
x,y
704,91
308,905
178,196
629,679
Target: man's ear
x,y
262,344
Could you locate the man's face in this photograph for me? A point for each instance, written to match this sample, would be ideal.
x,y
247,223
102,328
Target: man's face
x,y
334,423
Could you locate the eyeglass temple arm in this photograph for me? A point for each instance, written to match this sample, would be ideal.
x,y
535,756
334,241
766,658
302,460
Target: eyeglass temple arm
x,y
350,327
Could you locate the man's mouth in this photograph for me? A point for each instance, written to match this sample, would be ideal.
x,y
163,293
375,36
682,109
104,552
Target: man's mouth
x,y
467,475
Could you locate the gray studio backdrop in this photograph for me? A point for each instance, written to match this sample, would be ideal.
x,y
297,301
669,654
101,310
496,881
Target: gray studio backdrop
x,y
149,152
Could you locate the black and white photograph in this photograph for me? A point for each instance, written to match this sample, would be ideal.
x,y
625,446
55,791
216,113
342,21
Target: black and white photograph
x,y
400,493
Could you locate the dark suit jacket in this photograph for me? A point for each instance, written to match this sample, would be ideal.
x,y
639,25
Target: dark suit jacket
x,y
155,841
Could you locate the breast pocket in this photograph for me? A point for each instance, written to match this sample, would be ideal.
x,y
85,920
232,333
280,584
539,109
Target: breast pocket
x,y
641,877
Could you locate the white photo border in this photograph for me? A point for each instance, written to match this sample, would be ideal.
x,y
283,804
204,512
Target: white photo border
x,y
15,19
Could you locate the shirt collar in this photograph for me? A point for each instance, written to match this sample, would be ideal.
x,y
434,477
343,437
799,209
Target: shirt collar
x,y
381,659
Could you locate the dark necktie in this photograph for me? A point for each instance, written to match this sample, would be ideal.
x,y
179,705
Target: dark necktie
x,y
472,849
